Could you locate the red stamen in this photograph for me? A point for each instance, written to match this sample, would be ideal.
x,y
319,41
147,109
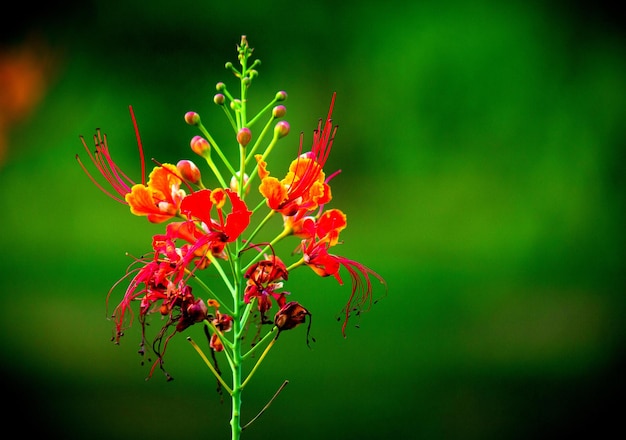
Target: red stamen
x,y
139,145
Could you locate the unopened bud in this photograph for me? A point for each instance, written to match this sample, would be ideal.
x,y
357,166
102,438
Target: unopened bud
x,y
219,99
220,86
188,170
281,96
234,182
281,129
279,111
192,118
235,104
243,136
200,146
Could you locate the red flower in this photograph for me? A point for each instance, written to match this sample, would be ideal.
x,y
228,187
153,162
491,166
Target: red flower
x,y
198,206
153,287
264,278
319,236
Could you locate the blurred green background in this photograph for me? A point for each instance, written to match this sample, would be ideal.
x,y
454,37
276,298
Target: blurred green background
x,y
482,147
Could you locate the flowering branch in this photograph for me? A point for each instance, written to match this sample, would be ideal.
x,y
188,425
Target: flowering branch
x,y
209,230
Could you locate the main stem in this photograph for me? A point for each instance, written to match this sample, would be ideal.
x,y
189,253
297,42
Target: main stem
x,y
235,421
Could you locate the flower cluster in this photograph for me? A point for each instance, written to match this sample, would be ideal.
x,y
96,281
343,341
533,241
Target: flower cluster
x,y
210,228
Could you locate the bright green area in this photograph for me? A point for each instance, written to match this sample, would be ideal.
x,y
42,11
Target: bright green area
x,y
482,151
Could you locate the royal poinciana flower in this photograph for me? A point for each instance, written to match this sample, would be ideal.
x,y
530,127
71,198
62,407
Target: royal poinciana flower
x,y
264,278
319,235
227,227
304,187
160,199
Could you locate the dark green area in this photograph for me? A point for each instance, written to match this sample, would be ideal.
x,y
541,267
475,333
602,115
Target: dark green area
x,y
482,150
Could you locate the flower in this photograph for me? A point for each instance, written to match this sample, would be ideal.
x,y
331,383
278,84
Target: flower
x,y
304,187
160,199
198,206
320,234
263,279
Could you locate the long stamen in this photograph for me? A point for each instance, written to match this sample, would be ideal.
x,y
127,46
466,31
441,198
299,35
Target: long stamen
x,y
139,145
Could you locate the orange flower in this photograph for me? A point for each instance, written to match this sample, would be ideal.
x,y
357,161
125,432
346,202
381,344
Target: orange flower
x,y
304,188
160,199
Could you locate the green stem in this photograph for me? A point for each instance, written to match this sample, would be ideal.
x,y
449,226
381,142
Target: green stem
x,y
263,157
218,150
286,232
267,349
259,139
237,360
261,224
210,365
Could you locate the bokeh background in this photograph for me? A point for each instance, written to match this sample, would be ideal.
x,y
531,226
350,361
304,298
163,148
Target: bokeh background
x,y
482,147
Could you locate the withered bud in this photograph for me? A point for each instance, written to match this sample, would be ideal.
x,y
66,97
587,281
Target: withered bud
x,y
290,315
188,170
197,311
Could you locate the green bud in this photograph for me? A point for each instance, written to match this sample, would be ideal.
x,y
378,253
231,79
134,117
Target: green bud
x,y
281,96
192,118
235,104
279,111
243,136
219,99
281,129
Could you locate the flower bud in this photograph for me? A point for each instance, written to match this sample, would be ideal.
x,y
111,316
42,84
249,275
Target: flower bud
x,y
281,129
220,86
188,170
200,146
243,136
281,96
219,99
290,315
235,104
192,118
279,111
234,182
